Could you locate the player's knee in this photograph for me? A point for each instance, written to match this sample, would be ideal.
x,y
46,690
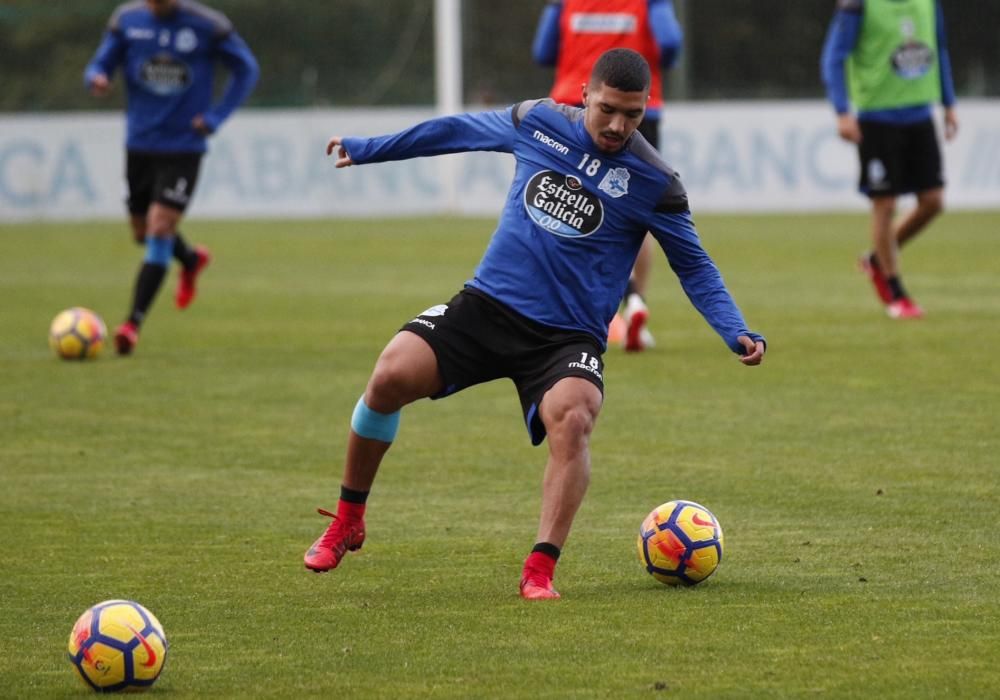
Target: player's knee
x,y
138,224
933,203
162,221
574,421
389,387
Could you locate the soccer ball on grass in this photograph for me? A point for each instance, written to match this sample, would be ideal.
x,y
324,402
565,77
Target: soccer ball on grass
x,y
77,334
117,645
680,543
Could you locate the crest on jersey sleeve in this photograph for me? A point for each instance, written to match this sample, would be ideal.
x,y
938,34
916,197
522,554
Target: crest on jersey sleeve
x,y
615,182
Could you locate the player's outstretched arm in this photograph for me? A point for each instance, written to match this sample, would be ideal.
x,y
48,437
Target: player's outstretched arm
x,y
343,160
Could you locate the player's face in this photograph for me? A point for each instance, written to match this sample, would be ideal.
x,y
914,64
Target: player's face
x,y
612,115
161,8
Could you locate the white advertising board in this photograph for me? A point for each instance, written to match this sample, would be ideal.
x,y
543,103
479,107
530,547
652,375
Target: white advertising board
x,y
732,157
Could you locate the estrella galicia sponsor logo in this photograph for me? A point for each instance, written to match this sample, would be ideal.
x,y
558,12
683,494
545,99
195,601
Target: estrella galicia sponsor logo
x,y
551,142
615,182
912,59
560,205
165,75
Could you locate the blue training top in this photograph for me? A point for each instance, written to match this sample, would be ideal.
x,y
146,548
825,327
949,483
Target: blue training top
x,y
169,66
574,218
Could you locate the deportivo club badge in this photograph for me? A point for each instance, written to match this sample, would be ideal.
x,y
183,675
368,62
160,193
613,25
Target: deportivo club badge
x,y
615,182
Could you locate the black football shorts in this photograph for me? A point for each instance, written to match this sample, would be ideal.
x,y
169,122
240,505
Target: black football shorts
x,y
165,178
899,159
477,339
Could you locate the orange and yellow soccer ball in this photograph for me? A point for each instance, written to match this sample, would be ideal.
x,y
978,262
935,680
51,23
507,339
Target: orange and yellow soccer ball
x,y
117,645
77,334
680,543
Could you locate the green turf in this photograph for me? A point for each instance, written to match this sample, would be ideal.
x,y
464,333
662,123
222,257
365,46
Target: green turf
x,y
855,474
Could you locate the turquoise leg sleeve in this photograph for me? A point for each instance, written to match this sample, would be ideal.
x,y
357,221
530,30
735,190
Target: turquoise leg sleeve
x,y
374,425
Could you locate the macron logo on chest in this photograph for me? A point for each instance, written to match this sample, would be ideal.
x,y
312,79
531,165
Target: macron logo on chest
x,y
139,33
550,142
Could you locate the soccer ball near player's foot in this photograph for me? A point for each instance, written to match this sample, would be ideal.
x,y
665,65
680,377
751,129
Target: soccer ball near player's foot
x,y
680,543
117,645
77,334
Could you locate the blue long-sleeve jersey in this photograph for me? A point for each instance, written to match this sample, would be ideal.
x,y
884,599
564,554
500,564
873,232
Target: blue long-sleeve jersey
x,y
168,67
840,42
574,218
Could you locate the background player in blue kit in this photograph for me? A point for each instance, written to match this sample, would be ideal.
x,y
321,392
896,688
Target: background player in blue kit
x,y
168,50
586,190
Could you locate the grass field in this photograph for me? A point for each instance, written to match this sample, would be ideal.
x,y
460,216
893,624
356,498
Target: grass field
x,y
855,474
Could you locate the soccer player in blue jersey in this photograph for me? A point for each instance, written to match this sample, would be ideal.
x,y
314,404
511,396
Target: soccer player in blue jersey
x,y
889,59
587,187
168,51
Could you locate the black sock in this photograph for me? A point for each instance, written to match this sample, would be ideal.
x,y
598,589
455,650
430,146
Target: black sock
x,y
630,289
147,284
873,261
548,549
184,253
352,496
897,288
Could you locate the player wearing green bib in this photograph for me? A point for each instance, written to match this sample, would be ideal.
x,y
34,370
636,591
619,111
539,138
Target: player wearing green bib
x,y
889,59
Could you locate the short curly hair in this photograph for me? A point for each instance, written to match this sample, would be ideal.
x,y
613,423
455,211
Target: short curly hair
x,y
622,69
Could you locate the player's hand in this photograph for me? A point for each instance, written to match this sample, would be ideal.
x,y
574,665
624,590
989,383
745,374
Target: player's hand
x,y
848,129
343,160
753,352
100,86
950,123
199,124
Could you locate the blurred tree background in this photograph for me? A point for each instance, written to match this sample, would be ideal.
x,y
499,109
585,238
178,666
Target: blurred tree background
x,y
350,53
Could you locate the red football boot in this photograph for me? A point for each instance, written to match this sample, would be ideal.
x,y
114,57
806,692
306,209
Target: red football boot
x,y
341,535
186,289
636,314
904,307
536,577
126,338
878,280
538,588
